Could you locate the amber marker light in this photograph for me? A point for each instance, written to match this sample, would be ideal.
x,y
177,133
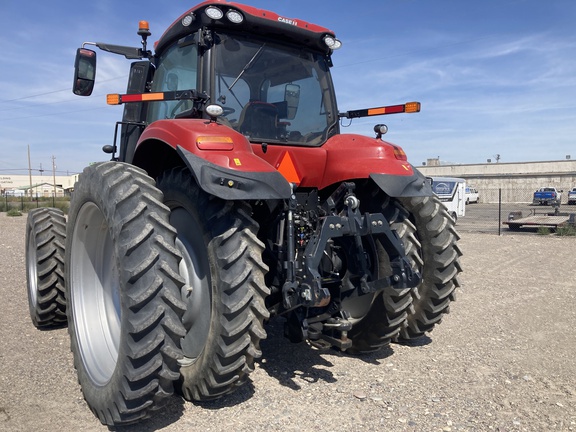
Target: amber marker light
x,y
113,99
412,107
215,143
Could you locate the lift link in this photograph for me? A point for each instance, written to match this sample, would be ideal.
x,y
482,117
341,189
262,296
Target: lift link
x,y
290,289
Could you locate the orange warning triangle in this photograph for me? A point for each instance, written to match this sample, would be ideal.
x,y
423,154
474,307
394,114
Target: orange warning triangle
x,y
288,170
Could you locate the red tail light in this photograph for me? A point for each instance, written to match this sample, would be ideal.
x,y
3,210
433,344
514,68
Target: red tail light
x,y
399,153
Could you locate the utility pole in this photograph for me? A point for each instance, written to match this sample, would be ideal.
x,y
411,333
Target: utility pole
x,y
54,173
29,171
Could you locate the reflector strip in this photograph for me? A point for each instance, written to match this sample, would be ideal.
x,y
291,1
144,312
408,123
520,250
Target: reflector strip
x,y
409,107
386,110
117,99
141,97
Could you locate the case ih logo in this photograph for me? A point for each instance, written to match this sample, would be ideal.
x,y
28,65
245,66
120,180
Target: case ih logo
x,y
288,21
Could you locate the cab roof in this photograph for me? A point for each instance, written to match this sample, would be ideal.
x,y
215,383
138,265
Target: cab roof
x,y
255,21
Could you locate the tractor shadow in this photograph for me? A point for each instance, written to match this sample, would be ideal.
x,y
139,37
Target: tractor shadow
x,y
169,414
290,363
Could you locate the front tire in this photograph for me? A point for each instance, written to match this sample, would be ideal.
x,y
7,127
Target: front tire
x,y
225,290
124,307
45,240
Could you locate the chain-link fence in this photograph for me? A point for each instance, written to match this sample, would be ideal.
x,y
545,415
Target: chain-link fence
x,y
489,215
26,203
496,206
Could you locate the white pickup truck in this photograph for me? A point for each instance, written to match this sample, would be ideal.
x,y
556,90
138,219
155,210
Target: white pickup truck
x,y
572,196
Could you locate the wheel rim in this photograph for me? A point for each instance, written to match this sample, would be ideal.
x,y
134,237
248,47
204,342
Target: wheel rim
x,y
32,259
194,268
95,294
359,306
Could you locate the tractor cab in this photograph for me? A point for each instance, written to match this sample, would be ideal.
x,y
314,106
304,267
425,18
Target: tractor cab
x,y
268,74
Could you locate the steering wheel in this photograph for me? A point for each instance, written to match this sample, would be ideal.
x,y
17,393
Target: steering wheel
x,y
227,111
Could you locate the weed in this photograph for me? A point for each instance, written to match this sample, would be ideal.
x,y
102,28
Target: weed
x,y
13,212
566,230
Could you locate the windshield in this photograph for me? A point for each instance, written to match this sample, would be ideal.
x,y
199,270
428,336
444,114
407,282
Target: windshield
x,y
273,93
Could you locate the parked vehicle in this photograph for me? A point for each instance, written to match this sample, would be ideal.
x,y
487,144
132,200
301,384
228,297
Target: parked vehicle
x,y
15,193
451,192
572,196
233,199
472,195
547,196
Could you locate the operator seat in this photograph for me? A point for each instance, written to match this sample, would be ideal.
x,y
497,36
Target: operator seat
x,y
259,120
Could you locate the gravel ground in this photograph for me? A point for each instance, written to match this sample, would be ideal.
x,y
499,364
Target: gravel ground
x,y
503,360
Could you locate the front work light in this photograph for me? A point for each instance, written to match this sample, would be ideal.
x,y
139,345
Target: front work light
x,y
214,110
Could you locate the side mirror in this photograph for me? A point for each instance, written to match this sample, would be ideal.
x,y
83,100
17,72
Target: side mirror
x,y
84,72
292,98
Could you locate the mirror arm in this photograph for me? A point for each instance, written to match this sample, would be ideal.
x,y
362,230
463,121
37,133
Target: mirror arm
x,y
131,53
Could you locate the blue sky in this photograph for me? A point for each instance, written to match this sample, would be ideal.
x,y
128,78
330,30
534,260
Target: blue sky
x,y
495,77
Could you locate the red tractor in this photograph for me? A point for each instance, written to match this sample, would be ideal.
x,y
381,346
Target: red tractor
x,y
232,198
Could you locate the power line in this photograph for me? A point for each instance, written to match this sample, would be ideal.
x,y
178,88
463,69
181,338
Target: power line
x,y
49,103
55,91
52,114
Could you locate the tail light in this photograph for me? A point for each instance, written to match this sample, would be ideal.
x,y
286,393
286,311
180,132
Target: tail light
x,y
399,153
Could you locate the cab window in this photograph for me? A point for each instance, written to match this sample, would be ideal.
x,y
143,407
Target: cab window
x,y
176,70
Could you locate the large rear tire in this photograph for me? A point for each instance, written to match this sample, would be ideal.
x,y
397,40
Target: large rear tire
x,y
45,241
225,290
124,307
435,253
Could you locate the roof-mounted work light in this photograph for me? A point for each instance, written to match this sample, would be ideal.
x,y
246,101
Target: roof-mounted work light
x,y
234,16
214,13
332,43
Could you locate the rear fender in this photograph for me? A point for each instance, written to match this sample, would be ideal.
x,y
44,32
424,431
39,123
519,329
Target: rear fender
x,y
221,160
403,186
347,157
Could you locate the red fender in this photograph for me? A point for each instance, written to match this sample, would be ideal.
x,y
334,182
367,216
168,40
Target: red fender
x,y
341,158
200,137
221,159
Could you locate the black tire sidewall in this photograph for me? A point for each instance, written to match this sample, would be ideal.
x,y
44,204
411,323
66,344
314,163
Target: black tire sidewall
x,y
40,222
135,389
98,397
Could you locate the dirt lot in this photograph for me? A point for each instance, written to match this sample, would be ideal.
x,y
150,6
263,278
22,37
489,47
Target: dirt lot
x,y
503,360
